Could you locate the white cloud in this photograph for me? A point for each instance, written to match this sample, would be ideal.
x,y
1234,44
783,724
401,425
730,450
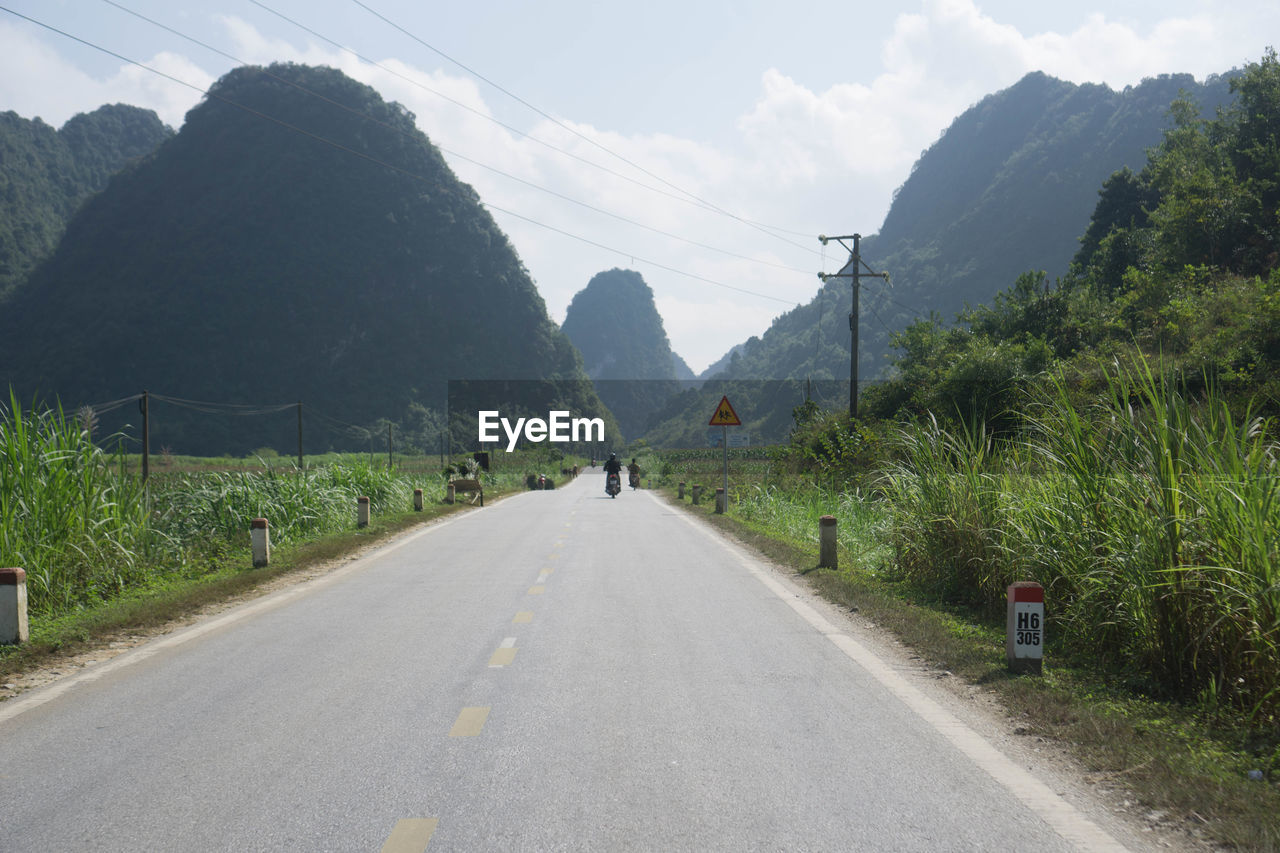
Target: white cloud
x,y
810,160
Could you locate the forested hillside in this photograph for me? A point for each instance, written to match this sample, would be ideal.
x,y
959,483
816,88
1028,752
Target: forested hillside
x,y
1178,265
1009,187
299,240
46,174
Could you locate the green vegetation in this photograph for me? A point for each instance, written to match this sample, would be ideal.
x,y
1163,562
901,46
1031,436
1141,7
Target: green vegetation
x,y
68,515
88,532
344,266
1008,187
49,173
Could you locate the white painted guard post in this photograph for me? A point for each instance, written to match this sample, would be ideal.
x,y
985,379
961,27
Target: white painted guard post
x,y
13,606
722,501
417,500
681,495
260,536
1024,645
697,493
362,515
827,542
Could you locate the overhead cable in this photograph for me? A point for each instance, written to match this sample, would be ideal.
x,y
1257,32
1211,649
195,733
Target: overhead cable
x,y
363,156
576,132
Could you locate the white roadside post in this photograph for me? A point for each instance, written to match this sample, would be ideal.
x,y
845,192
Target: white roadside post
x,y
362,512
1024,644
13,606
417,500
260,537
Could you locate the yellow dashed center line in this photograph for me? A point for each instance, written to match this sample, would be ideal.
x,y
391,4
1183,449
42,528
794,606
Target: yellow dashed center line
x,y
537,590
470,722
523,616
410,835
505,654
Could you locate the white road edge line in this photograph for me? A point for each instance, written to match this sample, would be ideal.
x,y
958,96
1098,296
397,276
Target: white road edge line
x,y
39,696
1064,818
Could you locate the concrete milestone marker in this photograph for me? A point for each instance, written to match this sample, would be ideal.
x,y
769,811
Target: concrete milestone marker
x,y
13,606
827,555
260,537
1024,643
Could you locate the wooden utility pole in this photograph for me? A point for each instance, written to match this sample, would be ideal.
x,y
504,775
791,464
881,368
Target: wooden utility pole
x,y
855,273
146,434
299,435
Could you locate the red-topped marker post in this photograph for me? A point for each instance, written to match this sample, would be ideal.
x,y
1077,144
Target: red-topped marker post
x,y
1024,643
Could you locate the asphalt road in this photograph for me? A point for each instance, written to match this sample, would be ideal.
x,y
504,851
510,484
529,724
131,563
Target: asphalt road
x,y
556,671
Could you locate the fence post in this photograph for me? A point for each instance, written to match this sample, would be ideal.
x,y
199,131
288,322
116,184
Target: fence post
x,y
681,495
13,606
362,515
417,500
697,493
260,537
722,502
827,556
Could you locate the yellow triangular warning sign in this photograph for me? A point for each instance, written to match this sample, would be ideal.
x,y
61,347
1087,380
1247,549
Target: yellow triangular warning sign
x,y
725,415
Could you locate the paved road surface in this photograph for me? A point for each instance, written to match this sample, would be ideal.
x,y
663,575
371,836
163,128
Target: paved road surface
x,y
557,671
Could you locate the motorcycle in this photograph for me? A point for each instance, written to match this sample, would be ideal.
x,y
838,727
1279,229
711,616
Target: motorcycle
x,y
635,482
613,485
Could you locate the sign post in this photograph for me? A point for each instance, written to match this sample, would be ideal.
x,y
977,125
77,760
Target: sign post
x,y
1024,643
724,418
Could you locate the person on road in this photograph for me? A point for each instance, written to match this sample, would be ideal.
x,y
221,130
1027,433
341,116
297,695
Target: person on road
x,y
634,471
612,468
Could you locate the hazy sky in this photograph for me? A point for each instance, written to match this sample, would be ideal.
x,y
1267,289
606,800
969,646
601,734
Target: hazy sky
x,y
782,120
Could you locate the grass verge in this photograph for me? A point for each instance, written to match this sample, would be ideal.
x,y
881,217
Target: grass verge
x,y
1176,767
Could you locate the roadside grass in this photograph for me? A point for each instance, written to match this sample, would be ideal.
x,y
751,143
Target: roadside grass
x,y
198,526
227,577
1177,765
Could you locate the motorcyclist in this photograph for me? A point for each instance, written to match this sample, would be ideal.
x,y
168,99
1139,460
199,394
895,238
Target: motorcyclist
x,y
613,466
634,471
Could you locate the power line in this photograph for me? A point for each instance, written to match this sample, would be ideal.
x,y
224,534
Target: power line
x,y
635,257
209,93
492,119
575,132
454,154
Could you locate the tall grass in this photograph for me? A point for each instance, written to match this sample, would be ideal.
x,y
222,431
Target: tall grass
x,y
85,529
69,515
1152,520
793,514
191,507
